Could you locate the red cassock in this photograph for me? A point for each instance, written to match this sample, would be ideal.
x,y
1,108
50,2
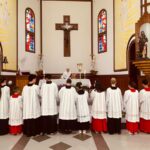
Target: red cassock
x,y
99,125
145,125
132,126
15,129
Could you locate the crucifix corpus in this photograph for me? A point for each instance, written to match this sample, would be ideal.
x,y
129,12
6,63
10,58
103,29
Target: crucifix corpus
x,y
66,27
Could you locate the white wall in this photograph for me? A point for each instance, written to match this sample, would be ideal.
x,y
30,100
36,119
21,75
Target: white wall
x,y
28,61
53,49
104,61
54,62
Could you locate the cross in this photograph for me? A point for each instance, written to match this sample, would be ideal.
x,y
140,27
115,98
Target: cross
x,y
66,27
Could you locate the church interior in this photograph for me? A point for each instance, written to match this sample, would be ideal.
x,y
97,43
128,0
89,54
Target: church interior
x,y
95,39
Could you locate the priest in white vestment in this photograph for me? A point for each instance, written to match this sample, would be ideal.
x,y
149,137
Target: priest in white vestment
x,y
49,95
15,112
114,107
31,108
144,98
83,113
67,74
4,106
67,110
99,118
131,104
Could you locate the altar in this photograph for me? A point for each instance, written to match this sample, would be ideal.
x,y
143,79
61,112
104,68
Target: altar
x,y
61,82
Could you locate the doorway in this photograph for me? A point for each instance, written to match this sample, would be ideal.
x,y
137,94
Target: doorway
x,y
133,71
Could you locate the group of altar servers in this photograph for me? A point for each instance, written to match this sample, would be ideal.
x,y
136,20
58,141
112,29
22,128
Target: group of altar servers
x,y
36,110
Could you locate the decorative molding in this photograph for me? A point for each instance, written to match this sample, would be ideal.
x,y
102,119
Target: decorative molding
x,y
116,70
10,70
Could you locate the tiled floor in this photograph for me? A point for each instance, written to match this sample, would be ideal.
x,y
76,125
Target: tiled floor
x,y
75,141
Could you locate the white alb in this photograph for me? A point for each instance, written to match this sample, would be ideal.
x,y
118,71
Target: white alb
x,y
49,95
131,104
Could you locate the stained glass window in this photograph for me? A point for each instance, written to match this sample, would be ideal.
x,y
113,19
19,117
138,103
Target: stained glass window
x,y
102,31
30,30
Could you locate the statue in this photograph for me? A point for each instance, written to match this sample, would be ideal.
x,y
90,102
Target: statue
x,y
143,45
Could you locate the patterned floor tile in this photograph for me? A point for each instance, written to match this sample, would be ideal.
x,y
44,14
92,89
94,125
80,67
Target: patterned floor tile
x,y
60,146
41,138
82,137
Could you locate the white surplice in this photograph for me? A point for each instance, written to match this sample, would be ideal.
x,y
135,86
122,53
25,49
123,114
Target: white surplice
x,y
114,102
4,102
99,105
68,97
131,104
31,102
83,112
15,111
49,95
144,98
41,81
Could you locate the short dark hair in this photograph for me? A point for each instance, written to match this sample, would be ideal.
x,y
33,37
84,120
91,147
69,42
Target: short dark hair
x,y
132,84
69,81
48,76
145,82
2,79
79,85
31,77
16,89
98,86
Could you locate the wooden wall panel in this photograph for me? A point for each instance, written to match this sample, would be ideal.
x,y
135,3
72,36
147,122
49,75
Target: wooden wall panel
x,y
21,81
122,80
103,79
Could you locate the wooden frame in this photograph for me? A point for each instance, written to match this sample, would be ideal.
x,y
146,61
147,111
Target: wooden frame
x,y
144,7
33,34
115,70
16,41
104,33
68,1
125,67
1,57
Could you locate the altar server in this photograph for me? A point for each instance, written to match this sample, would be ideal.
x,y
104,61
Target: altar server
x,y
99,121
4,106
67,110
83,113
15,112
31,107
131,103
114,107
145,107
49,95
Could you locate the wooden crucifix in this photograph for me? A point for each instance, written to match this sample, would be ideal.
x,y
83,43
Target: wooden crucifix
x,y
66,27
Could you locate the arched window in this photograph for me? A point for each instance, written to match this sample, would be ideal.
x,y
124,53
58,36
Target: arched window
x,y
30,30
102,31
